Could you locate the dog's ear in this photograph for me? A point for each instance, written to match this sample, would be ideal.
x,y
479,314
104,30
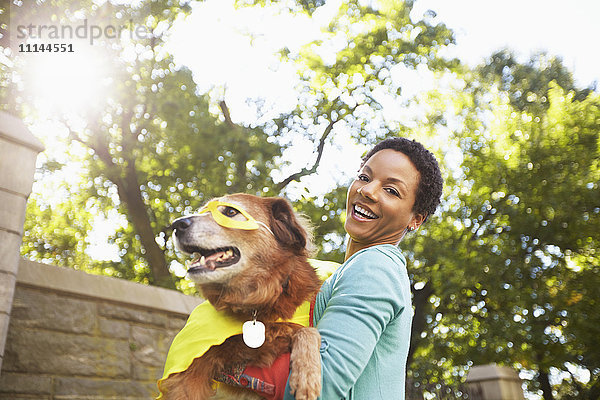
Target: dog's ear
x,y
286,227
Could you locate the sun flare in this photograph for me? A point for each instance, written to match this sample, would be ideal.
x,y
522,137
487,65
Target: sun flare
x,y
67,83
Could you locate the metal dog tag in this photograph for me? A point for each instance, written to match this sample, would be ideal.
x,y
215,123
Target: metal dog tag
x,y
253,333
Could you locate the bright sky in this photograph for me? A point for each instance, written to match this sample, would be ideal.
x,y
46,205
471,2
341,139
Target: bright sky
x,y
567,29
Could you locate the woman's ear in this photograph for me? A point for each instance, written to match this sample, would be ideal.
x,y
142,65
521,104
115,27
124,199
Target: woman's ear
x,y
417,221
285,225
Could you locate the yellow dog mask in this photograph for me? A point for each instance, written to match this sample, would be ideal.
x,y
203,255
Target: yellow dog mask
x,y
224,216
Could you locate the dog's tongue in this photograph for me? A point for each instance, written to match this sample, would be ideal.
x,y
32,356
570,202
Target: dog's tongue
x,y
216,258
212,261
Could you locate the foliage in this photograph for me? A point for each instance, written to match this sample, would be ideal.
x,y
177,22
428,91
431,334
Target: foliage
x,y
346,80
61,239
513,262
158,150
527,84
155,152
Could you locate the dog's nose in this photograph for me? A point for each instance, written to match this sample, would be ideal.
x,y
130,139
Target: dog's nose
x,y
181,224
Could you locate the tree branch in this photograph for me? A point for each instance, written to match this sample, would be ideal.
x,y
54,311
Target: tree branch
x,y
307,171
579,388
241,158
421,302
101,151
139,214
226,114
594,390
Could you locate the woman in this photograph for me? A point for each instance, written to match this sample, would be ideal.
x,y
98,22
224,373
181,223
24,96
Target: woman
x,y
363,311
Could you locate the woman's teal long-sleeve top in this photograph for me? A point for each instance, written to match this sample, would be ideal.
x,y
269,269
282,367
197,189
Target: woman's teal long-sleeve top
x,y
364,314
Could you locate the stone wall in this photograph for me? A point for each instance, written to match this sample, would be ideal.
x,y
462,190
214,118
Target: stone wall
x,y
78,336
18,153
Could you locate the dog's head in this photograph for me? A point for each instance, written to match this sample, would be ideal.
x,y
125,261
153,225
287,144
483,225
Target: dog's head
x,y
235,232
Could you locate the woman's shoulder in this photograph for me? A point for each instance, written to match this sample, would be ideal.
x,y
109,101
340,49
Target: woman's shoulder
x,y
381,254
375,263
378,271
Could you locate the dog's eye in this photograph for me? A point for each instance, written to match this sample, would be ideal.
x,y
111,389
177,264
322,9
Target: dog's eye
x,y
230,212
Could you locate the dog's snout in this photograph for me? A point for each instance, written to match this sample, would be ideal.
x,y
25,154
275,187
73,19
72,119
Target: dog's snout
x,y
181,224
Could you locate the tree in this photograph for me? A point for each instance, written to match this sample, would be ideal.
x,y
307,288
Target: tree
x,y
347,78
158,148
512,265
155,151
528,84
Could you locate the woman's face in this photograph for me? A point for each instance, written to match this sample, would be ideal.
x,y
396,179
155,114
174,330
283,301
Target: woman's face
x,y
380,200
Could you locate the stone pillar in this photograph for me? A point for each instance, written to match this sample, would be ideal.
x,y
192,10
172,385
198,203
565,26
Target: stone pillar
x,y
493,382
18,153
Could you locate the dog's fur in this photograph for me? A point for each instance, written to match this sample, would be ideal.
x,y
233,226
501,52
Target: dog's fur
x,y
271,276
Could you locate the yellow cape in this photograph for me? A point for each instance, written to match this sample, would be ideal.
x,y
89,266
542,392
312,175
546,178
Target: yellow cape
x,y
208,327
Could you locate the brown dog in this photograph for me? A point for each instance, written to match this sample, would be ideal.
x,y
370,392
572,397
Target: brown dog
x,y
250,270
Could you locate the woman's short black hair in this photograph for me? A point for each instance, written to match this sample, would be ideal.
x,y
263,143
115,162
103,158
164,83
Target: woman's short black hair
x,y
429,191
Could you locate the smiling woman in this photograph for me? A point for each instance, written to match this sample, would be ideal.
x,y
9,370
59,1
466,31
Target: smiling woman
x,y
380,200
363,311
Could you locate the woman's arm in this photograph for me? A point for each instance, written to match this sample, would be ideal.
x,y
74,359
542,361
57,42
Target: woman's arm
x,y
365,298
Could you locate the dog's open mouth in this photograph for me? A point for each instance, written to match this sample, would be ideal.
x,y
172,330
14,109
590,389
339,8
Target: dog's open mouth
x,y
211,259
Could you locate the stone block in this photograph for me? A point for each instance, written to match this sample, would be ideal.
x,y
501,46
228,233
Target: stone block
x,y
34,309
147,373
58,353
150,352
12,212
12,129
113,290
494,382
10,243
115,311
84,388
150,345
17,164
4,324
113,329
25,384
7,290
175,323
